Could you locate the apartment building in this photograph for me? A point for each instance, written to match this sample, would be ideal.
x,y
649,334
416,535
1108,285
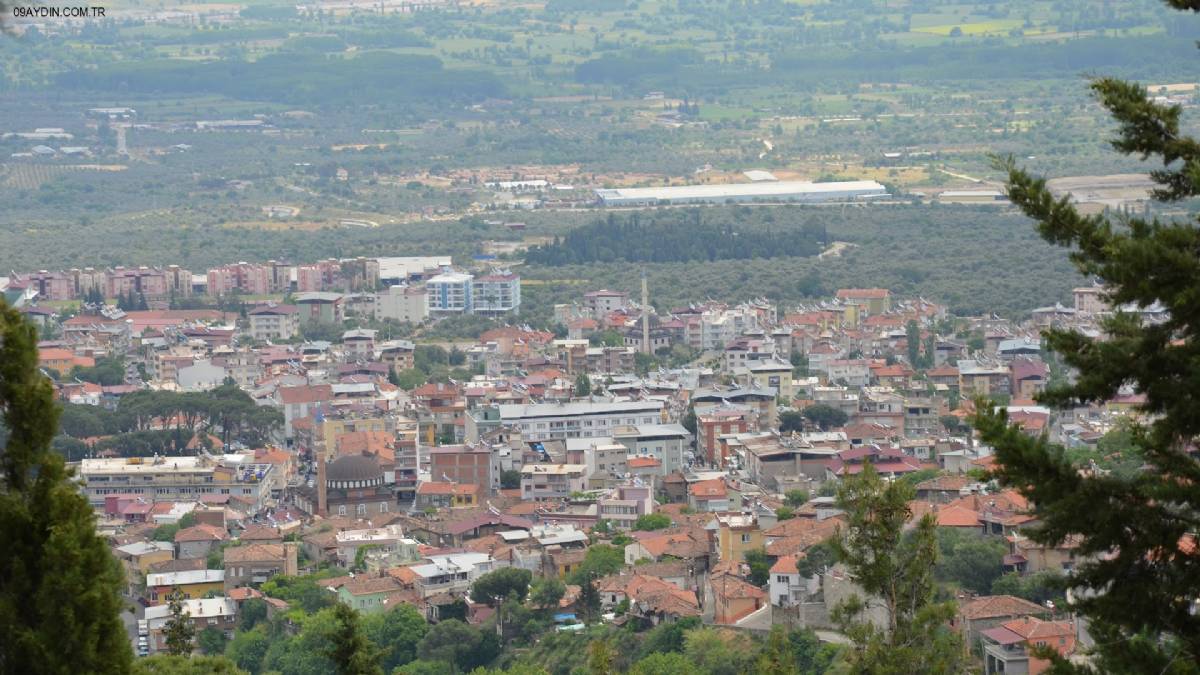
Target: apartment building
x,y
450,293
463,464
625,504
219,613
406,304
540,482
604,302
668,443
497,293
274,322
979,378
243,277
605,460
453,573
319,307
396,354
177,478
583,419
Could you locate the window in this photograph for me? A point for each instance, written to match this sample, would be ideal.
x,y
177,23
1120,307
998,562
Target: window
x,y
746,538
781,578
341,509
362,509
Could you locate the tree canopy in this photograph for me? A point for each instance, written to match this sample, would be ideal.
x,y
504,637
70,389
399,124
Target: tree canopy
x,y
895,570
1138,567
497,585
825,416
670,236
60,585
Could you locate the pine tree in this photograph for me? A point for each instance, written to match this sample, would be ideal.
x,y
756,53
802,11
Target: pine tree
x,y
179,630
1137,575
350,650
60,586
895,569
583,385
913,338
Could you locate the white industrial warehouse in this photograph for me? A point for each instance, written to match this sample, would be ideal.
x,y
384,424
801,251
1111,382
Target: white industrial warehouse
x,y
765,191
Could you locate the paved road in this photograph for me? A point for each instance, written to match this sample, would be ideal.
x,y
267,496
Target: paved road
x,y
130,619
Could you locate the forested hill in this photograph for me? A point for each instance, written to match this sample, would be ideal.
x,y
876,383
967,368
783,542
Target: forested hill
x,y
676,236
303,77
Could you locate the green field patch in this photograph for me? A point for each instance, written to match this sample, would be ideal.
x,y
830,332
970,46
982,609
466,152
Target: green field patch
x,y
996,27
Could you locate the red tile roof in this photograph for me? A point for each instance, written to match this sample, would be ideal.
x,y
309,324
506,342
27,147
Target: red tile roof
x,y
956,515
786,564
306,394
997,606
1036,629
708,489
201,532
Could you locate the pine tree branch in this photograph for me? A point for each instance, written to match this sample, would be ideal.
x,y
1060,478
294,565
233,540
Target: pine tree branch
x,y
1185,5
1148,128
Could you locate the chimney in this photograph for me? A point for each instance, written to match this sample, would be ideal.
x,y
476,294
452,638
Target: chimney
x,y
322,495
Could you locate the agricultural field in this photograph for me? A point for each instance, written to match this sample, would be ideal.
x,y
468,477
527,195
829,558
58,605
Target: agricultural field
x,y
591,94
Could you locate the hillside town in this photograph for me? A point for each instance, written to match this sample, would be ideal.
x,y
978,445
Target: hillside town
x,y
659,464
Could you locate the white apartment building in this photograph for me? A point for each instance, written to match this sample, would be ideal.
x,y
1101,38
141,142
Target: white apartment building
x,y
605,460
383,540
583,419
540,482
788,587
452,573
450,292
219,613
406,304
665,442
163,479
497,293
715,328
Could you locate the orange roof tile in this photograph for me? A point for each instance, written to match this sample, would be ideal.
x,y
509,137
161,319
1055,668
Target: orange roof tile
x,y
997,606
954,515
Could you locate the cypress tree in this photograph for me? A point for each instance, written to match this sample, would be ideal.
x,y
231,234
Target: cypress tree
x,y
1137,576
179,630
350,650
60,585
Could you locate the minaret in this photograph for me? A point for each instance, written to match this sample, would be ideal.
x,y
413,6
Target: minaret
x,y
322,488
645,315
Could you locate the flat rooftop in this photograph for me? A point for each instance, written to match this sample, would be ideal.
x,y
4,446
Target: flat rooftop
x,y
533,410
136,465
763,190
